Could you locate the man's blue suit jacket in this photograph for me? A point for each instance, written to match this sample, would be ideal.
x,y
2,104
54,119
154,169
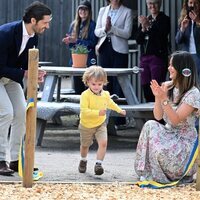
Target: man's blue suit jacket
x,y
12,65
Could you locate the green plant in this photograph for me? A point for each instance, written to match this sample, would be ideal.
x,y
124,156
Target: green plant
x,y
79,49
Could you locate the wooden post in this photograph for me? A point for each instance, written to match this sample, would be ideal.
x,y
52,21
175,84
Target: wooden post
x,y
198,164
33,59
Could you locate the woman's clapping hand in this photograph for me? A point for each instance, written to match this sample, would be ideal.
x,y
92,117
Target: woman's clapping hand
x,y
159,91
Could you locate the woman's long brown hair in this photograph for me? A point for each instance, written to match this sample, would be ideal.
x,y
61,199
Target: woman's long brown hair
x,y
77,23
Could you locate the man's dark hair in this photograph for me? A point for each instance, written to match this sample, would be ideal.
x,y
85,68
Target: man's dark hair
x,y
36,10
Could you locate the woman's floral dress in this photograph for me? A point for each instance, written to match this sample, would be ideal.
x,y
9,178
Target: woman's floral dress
x,y
163,150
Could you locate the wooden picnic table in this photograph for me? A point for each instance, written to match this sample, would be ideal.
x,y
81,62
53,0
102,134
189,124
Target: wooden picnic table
x,y
54,73
122,74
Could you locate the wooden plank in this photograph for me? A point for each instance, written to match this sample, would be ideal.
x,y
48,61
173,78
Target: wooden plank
x,y
198,164
33,59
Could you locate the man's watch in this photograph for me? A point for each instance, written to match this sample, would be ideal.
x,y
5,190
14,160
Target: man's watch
x,y
165,102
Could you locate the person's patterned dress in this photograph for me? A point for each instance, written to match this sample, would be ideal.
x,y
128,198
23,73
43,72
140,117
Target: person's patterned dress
x,y
163,150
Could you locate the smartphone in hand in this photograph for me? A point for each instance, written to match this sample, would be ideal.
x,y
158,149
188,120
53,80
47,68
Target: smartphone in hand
x,y
189,9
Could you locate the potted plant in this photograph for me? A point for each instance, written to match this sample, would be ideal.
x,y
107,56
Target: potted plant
x,y
79,55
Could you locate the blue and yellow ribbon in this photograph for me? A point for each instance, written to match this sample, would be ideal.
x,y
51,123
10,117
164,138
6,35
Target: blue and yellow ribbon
x,y
36,173
30,103
155,185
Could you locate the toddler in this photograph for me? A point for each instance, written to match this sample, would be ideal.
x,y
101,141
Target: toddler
x,y
94,103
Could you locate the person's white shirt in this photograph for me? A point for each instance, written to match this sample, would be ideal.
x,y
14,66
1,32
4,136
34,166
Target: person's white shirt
x,y
192,47
25,38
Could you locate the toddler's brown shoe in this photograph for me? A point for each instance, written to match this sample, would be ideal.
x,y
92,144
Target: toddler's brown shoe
x,y
98,169
82,166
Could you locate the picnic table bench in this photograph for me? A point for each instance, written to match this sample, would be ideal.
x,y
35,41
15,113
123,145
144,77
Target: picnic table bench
x,y
48,110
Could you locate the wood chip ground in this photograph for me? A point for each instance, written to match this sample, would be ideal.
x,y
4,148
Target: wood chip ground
x,y
115,191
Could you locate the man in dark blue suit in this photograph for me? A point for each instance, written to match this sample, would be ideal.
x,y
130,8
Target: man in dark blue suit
x,y
16,38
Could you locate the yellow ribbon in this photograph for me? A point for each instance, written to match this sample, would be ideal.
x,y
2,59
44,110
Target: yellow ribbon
x,y
36,173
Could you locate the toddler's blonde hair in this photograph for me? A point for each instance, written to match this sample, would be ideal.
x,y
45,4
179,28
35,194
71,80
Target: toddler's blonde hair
x,y
96,72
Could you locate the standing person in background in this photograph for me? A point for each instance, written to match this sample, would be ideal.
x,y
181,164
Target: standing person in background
x,y
114,28
153,37
188,35
94,103
82,32
16,38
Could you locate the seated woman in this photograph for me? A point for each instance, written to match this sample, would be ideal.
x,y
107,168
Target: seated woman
x,y
164,150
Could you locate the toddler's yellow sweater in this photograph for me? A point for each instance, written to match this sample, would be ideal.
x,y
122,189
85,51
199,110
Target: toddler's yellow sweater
x,y
91,104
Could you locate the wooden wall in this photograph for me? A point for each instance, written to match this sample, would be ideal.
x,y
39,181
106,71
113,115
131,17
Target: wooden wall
x,y
50,43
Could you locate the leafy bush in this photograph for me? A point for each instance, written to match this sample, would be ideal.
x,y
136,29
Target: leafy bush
x,y
79,49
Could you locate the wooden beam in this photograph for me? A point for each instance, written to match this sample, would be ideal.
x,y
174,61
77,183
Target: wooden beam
x,y
198,164
33,60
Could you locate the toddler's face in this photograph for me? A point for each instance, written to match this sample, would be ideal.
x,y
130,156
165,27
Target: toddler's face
x,y
95,85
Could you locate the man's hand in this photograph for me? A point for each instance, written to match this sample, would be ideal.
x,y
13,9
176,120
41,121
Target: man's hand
x,y
26,74
41,74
